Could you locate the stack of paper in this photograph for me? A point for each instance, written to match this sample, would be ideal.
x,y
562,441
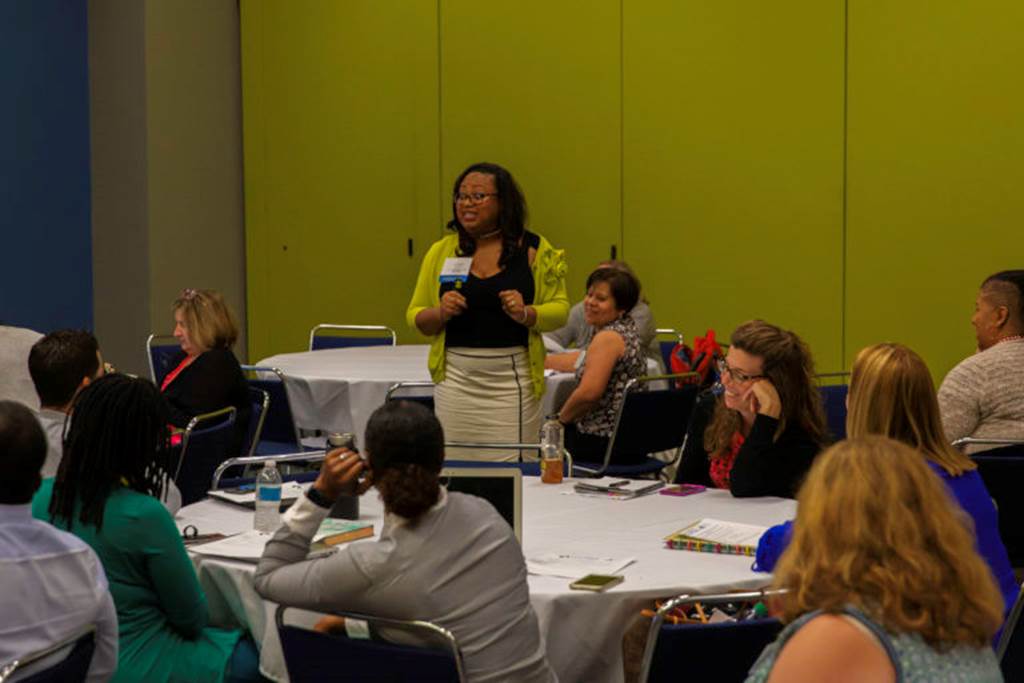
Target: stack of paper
x,y
618,488
574,566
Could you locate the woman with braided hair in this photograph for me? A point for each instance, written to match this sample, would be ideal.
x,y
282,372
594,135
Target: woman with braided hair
x,y
107,492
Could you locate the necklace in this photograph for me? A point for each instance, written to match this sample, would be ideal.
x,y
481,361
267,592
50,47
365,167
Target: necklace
x,y
490,234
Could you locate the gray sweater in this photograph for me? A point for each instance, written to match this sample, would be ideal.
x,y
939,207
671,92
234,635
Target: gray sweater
x,y
458,566
983,396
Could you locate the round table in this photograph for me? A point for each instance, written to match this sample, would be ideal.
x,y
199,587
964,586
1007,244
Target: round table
x,y
582,630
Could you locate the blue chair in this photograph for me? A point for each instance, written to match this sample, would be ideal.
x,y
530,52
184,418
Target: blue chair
x,y
667,345
1002,470
318,657
206,443
833,387
160,349
1010,648
359,335
278,433
259,400
74,667
647,422
219,481
706,652
420,396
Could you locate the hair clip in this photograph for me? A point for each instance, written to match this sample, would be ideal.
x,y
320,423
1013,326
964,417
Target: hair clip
x,y
188,294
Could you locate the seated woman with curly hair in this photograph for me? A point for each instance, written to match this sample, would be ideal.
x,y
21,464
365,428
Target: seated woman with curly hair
x,y
884,583
760,436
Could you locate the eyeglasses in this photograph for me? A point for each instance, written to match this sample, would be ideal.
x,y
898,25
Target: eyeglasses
x,y
736,375
473,197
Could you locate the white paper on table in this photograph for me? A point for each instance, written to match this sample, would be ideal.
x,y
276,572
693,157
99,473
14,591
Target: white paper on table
x,y
719,531
575,566
249,545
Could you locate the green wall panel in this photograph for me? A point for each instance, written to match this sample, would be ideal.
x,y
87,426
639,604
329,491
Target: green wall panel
x,y
535,86
936,153
341,148
733,164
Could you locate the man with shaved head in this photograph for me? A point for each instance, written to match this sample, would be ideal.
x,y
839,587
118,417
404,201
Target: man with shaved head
x,y
983,396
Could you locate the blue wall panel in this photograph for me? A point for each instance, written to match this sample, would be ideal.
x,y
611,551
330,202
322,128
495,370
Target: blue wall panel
x,y
45,227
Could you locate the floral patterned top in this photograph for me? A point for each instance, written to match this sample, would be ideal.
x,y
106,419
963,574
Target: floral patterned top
x,y
600,421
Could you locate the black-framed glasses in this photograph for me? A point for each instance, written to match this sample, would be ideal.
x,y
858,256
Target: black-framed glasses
x,y
736,375
473,197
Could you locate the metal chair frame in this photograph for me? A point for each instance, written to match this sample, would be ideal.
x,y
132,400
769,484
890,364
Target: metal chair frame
x,y
566,455
193,424
1010,626
149,351
307,456
714,599
352,328
399,386
631,386
438,634
667,332
258,431
9,668
287,396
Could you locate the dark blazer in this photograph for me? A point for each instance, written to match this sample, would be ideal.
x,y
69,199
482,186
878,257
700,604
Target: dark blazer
x,y
763,467
213,381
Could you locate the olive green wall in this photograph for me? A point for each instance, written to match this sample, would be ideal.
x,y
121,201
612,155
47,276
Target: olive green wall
x,y
828,165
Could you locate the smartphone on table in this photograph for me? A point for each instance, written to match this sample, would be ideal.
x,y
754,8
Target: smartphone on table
x,y
596,582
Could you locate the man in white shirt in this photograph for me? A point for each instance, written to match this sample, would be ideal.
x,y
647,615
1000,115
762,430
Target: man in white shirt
x,y
15,384
51,583
61,364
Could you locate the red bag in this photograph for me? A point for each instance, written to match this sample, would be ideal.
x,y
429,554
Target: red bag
x,y
702,359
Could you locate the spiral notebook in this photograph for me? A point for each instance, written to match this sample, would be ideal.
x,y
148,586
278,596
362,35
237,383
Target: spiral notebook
x,y
717,536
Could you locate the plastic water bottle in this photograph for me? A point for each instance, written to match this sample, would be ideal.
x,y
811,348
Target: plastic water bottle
x,y
268,499
551,446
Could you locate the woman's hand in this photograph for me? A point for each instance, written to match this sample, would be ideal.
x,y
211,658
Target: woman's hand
x,y
339,474
452,304
512,304
766,399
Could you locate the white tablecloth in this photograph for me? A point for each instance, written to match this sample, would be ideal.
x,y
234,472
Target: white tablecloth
x,y
583,631
337,389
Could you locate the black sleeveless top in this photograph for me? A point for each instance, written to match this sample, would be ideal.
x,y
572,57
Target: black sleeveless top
x,y
484,324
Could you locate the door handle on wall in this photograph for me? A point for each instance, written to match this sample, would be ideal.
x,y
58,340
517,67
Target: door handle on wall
x,y
410,247
614,252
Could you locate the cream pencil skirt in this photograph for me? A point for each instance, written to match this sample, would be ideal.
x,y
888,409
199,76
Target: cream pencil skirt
x,y
487,397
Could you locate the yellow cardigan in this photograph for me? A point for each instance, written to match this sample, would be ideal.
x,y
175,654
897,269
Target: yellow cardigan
x,y
551,302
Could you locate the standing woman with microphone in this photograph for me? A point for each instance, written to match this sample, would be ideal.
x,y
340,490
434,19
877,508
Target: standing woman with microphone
x,y
484,294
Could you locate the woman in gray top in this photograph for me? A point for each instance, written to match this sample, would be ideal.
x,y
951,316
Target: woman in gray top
x,y
447,558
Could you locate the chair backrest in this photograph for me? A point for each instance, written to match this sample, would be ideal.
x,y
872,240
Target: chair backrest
x,y
206,443
1002,470
74,667
419,392
1010,648
330,336
833,388
160,349
278,423
649,421
217,480
727,650
259,400
312,656
667,340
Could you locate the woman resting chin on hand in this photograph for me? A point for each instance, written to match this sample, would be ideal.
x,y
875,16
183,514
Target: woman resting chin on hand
x,y
613,357
761,435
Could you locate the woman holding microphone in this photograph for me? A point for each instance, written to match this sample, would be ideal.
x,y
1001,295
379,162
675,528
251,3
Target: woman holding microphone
x,y
484,294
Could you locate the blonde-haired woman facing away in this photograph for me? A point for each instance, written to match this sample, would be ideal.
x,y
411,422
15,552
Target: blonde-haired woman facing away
x,y
892,394
884,583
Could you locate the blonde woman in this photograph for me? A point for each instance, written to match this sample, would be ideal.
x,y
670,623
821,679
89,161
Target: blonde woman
x,y
205,374
884,583
892,394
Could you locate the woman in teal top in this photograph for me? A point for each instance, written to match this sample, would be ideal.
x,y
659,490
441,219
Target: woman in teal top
x,y
884,581
107,493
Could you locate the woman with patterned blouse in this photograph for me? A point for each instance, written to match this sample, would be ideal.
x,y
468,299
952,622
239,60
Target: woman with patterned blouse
x,y
613,357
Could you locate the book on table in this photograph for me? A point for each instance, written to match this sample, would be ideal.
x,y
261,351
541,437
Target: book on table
x,y
717,536
618,488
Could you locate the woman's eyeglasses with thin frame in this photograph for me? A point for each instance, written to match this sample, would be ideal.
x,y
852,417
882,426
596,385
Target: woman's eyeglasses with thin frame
x,y
473,197
737,375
